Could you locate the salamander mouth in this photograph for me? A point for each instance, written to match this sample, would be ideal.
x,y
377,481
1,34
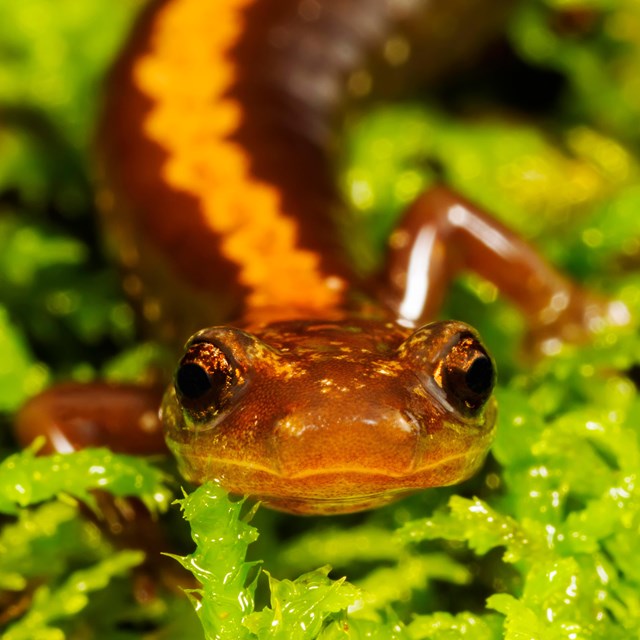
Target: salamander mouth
x,y
213,462
334,485
332,490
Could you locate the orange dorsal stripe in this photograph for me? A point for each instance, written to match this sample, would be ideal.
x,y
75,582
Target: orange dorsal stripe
x,y
187,73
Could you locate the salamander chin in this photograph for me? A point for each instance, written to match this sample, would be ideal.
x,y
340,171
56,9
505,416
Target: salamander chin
x,y
330,417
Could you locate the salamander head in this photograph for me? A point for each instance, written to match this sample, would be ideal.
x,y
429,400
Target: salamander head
x,y
320,418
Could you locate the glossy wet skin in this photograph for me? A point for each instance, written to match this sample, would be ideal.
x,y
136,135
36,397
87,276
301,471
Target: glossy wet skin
x,y
322,400
315,417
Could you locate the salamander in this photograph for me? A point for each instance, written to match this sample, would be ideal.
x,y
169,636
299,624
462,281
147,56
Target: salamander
x,y
312,389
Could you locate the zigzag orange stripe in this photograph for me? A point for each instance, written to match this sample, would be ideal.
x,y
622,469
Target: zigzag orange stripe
x,y
187,74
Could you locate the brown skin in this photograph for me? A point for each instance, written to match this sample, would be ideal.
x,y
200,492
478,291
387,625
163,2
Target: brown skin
x,y
443,234
72,416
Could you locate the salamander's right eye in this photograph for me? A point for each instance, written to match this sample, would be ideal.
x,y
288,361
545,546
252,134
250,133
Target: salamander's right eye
x,y
467,374
205,378
453,364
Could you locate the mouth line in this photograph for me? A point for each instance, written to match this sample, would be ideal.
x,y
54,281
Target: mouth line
x,y
364,471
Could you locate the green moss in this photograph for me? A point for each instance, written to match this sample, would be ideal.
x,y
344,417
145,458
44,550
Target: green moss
x,y
70,598
543,543
226,598
27,479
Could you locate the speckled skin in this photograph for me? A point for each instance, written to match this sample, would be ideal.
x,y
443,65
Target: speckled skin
x,y
332,416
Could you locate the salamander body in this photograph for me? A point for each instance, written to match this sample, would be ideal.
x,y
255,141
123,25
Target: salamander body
x,y
308,388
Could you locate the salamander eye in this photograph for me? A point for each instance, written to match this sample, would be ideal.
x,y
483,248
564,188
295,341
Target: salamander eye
x,y
467,375
205,378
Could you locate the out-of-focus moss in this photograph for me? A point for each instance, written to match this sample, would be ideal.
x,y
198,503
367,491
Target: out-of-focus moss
x,y
594,44
67,600
53,56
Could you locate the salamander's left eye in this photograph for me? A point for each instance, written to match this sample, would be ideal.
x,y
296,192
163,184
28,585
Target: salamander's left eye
x,y
467,374
205,377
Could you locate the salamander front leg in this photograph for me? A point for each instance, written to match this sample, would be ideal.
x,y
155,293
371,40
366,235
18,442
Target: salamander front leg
x,y
442,234
72,416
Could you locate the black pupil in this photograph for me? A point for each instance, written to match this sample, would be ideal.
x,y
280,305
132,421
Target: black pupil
x,y
193,381
479,376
